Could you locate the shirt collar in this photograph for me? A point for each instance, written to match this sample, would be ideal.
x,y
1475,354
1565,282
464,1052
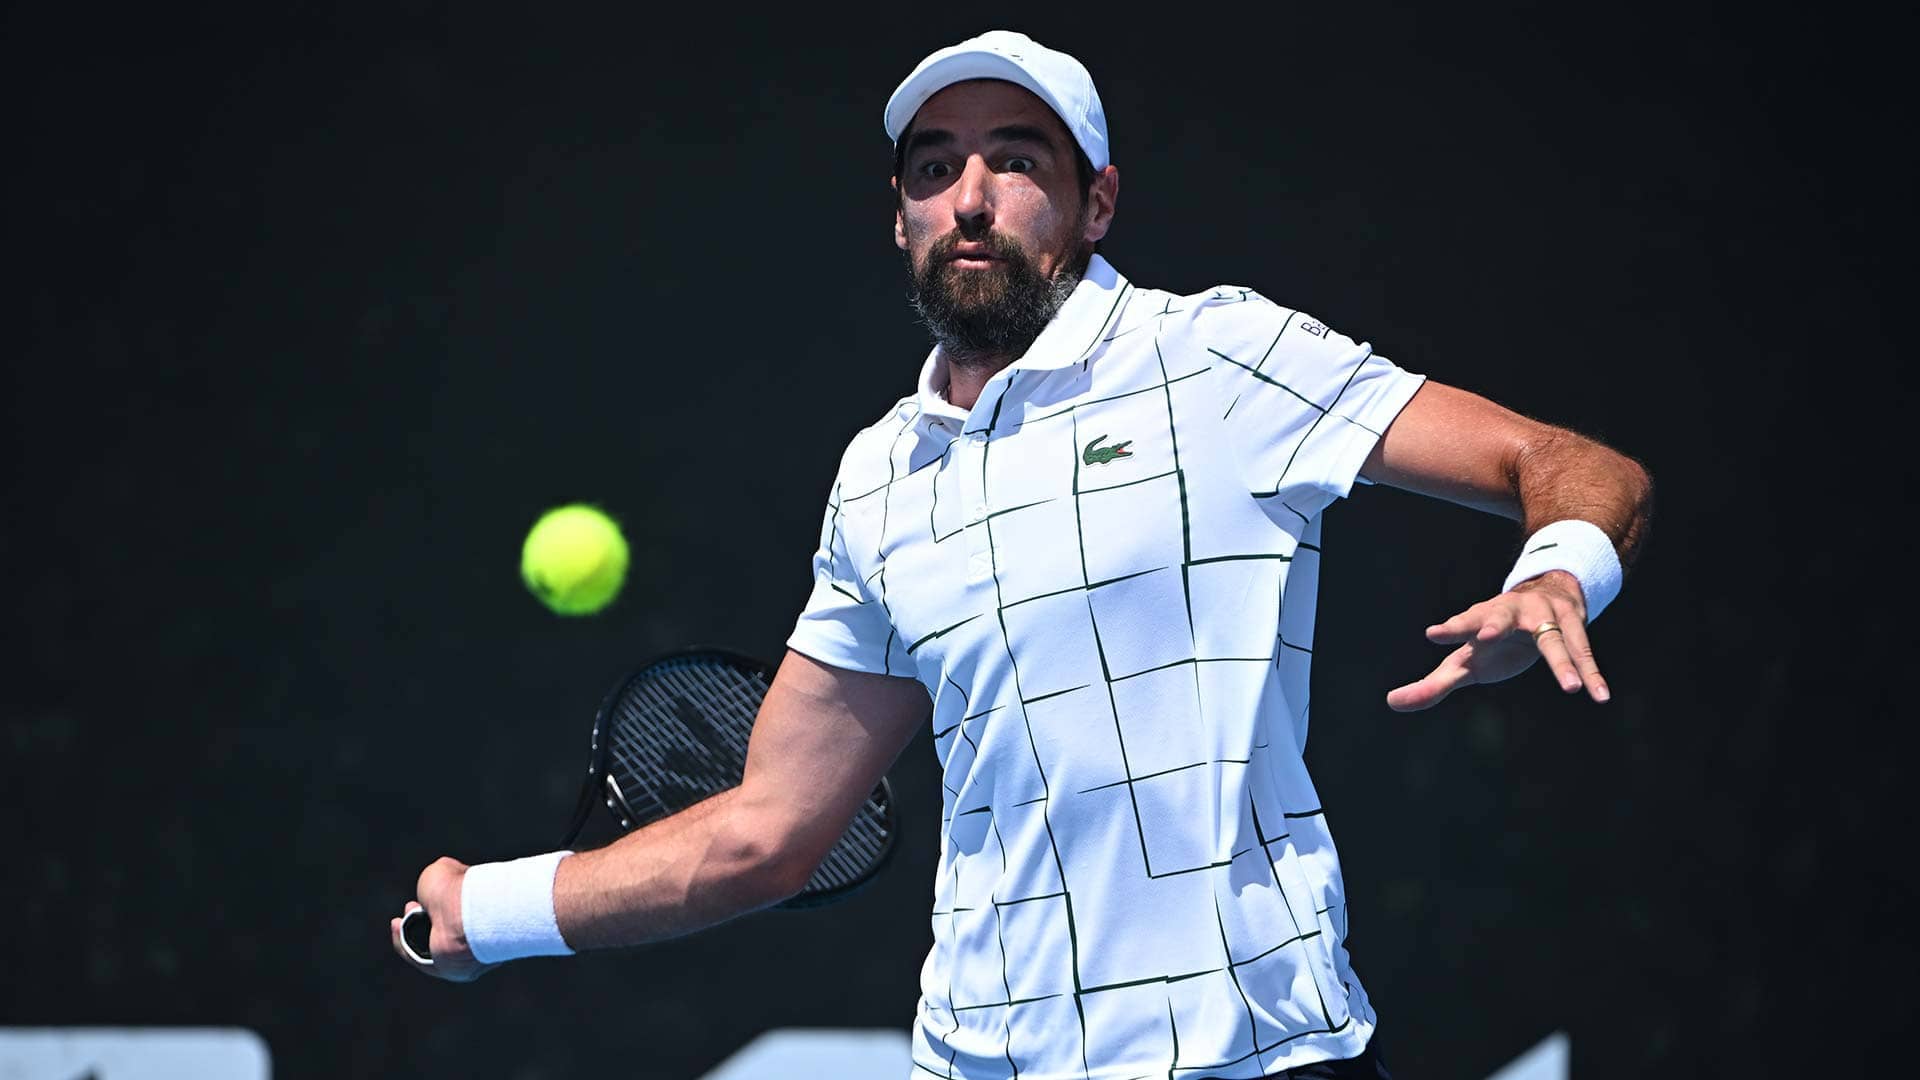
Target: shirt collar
x,y
1074,332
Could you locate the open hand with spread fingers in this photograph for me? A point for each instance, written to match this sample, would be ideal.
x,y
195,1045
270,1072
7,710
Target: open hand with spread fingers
x,y
1502,637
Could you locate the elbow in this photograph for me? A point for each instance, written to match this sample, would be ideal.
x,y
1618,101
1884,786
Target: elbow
x,y
788,874
773,866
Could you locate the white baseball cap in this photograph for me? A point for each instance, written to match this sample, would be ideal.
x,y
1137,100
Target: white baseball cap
x,y
1056,78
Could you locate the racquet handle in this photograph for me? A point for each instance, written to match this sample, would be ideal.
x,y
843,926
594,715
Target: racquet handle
x,y
415,931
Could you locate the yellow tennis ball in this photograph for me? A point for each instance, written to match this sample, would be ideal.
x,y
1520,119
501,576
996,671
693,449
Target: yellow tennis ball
x,y
574,559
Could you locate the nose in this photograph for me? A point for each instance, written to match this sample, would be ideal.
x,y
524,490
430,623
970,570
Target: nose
x,y
973,199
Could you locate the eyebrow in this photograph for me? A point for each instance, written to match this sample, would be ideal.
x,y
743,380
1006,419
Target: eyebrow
x,y
1007,133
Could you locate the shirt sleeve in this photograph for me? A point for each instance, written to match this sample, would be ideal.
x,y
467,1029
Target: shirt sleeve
x,y
1305,404
845,624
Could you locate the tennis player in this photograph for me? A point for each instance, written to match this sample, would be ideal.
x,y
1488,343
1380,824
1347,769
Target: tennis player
x,y
1085,549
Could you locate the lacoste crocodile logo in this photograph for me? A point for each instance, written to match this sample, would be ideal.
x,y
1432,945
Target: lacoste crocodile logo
x,y
1100,455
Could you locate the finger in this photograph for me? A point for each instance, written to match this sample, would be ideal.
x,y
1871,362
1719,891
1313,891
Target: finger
x,y
1457,629
1415,696
1552,644
1580,648
396,927
1498,622
1434,688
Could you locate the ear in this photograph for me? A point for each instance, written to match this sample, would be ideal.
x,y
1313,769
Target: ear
x,y
1102,199
899,225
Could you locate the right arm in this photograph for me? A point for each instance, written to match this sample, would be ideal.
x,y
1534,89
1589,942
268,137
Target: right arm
x,y
822,740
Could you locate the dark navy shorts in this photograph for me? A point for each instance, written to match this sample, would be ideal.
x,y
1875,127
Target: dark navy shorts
x,y
1368,1066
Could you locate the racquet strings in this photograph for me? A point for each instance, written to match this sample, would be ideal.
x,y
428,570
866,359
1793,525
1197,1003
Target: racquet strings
x,y
678,734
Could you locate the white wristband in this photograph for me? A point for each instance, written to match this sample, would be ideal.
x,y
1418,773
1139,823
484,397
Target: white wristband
x,y
1580,548
507,909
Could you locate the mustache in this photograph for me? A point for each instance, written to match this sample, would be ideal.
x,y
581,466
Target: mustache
x,y
999,245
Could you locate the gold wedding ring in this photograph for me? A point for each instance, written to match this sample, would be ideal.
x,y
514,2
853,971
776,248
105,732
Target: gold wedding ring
x,y
1545,628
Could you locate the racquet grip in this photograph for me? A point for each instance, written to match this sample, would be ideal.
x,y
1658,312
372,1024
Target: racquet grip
x,y
416,930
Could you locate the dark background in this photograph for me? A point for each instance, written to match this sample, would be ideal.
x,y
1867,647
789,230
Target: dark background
x,y
314,312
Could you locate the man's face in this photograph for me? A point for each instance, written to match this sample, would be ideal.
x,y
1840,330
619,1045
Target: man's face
x,y
991,214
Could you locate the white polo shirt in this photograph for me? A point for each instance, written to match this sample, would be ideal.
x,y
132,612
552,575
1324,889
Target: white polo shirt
x,y
1104,575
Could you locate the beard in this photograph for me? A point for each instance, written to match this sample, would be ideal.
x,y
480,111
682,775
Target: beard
x,y
979,317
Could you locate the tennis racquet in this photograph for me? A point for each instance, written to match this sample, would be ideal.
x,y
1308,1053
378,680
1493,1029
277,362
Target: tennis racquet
x,y
674,732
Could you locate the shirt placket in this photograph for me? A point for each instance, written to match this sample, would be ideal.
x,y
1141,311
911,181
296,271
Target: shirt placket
x,y
970,458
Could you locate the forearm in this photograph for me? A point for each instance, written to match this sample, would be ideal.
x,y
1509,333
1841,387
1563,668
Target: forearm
x,y
1456,445
1584,509
1560,476
822,740
683,873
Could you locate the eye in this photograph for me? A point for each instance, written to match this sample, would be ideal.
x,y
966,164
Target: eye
x,y
936,170
1019,165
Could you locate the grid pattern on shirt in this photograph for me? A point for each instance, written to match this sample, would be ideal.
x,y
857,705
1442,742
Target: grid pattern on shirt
x,y
1150,689
1130,780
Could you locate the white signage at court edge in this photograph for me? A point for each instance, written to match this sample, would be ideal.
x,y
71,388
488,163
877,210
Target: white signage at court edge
x,y
99,1053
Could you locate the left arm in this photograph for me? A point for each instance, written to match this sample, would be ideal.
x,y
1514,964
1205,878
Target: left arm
x,y
1454,445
